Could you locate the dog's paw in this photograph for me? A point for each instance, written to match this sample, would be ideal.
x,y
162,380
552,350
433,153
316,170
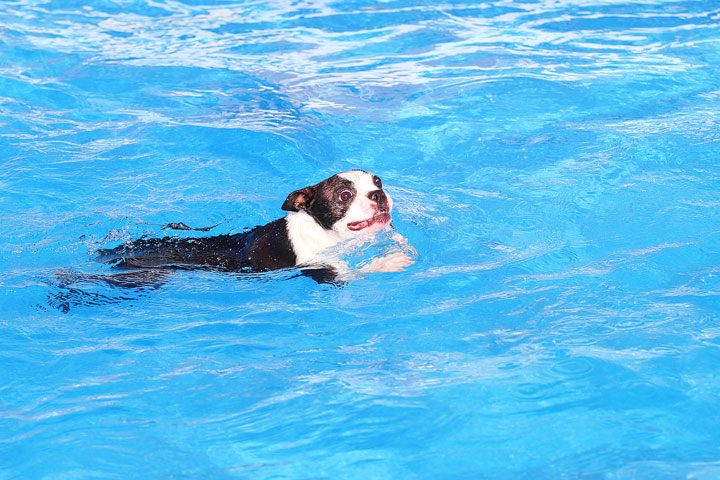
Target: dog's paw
x,y
395,262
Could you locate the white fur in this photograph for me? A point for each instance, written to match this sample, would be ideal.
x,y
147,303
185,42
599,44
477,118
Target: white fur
x,y
307,237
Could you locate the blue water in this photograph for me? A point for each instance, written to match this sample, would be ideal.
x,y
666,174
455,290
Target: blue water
x,y
555,164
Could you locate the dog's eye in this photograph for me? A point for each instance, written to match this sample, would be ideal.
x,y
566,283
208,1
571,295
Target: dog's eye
x,y
345,195
377,182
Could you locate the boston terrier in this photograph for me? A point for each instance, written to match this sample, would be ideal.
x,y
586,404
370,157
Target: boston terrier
x,y
345,207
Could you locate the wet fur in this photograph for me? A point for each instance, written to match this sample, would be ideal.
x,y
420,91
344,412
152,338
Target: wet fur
x,y
263,248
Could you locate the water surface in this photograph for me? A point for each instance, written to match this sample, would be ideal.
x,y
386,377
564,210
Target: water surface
x,y
554,163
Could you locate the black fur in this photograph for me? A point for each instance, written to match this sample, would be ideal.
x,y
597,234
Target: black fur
x,y
263,248
328,208
322,201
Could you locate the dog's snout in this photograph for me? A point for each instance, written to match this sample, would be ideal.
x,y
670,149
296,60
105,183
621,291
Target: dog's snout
x,y
379,197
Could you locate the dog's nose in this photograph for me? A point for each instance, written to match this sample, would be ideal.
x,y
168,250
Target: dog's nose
x,y
378,196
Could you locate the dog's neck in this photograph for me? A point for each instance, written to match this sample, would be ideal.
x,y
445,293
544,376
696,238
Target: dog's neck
x,y
307,237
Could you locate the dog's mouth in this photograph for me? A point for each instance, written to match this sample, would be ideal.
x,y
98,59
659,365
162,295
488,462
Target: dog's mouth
x,y
382,218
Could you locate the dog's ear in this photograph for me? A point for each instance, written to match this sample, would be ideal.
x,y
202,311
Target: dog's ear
x,y
299,200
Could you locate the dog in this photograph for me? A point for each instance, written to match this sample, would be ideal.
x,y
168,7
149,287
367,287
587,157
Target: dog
x,y
349,206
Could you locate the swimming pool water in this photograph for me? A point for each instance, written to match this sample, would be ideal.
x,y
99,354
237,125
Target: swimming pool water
x,y
554,163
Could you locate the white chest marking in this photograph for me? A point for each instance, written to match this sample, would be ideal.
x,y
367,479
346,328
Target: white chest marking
x,y
307,237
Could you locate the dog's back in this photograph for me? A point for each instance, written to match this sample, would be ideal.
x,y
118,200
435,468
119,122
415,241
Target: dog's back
x,y
263,248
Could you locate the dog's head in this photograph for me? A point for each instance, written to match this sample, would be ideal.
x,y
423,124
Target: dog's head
x,y
350,203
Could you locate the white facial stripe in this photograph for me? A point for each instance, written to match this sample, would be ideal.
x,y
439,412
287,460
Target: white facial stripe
x,y
363,181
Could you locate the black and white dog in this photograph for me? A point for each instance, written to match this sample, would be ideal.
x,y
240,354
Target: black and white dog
x,y
349,205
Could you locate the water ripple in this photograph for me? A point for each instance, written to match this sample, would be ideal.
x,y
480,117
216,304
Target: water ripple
x,y
553,163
